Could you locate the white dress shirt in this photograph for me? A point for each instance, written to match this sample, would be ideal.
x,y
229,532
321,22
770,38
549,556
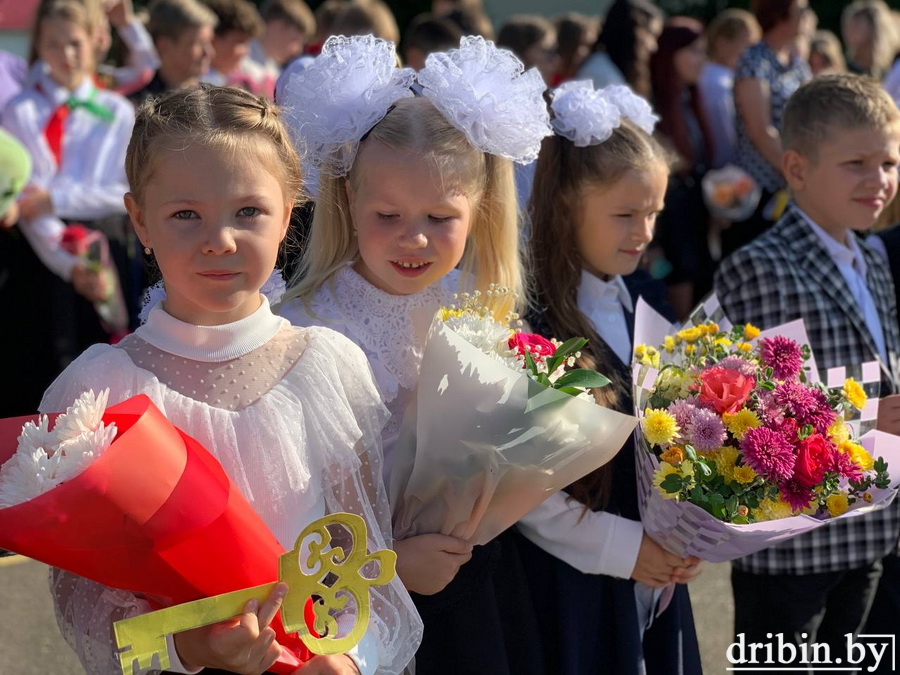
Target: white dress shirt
x,y
852,265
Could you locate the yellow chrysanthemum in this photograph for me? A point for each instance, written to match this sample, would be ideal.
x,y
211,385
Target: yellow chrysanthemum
x,y
712,327
745,347
690,350
691,334
741,422
669,343
837,504
839,432
674,455
650,358
660,427
665,470
640,350
448,313
723,342
744,475
858,454
725,459
751,332
770,509
854,393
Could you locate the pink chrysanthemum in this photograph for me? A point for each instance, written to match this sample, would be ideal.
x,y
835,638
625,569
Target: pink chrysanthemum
x,y
794,398
768,409
741,365
797,495
782,355
769,454
819,414
705,431
683,411
843,464
788,428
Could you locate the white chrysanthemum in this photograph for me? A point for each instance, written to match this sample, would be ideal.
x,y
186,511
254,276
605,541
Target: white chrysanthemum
x,y
631,106
483,92
332,103
583,114
44,458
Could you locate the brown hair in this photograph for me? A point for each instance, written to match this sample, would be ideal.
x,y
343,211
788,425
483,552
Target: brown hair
x,y
826,44
236,16
170,18
294,12
211,116
563,171
414,124
730,25
522,31
770,13
361,17
832,103
74,11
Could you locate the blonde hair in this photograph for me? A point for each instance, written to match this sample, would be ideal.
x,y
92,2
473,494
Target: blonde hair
x,y
208,116
80,13
562,173
826,44
415,125
885,40
829,104
730,25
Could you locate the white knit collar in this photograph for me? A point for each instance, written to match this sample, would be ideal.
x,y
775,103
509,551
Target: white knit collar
x,y
212,344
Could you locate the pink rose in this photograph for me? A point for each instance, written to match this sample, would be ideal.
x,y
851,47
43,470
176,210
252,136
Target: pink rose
x,y
813,458
537,346
725,390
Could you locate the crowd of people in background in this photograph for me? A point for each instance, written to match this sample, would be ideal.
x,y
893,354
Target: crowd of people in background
x,y
720,92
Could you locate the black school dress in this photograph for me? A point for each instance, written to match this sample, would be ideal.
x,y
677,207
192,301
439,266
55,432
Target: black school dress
x,y
589,622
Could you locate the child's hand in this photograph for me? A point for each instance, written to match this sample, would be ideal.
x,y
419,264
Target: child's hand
x,y
656,567
341,664
889,414
11,217
91,285
35,201
428,562
244,645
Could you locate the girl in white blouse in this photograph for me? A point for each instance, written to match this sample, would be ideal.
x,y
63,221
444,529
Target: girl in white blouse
x,y
292,414
595,576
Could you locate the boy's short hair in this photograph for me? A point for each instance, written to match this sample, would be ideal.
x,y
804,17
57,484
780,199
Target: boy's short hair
x,y
236,15
428,34
170,18
730,25
523,31
294,12
827,102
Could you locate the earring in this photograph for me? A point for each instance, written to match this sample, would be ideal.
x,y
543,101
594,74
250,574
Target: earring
x,y
148,250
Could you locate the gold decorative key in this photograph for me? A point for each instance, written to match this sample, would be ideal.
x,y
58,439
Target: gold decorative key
x,y
336,580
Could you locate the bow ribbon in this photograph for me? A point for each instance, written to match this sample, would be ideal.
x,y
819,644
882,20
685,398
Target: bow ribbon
x,y
53,132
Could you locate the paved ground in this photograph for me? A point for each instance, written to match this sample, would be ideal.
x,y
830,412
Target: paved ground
x,y
30,643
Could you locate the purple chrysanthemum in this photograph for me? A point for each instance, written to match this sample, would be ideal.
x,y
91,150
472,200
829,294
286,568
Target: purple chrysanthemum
x,y
740,364
768,409
819,415
844,465
797,495
705,431
769,454
683,411
782,355
794,398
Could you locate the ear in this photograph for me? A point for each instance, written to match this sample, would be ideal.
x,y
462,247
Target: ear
x,y
795,168
286,224
137,220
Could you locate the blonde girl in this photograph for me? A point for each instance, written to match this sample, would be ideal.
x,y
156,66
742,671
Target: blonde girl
x,y
416,203
599,583
292,414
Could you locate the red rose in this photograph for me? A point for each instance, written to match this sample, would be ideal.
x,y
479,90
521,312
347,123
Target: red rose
x,y
74,239
538,346
725,390
813,458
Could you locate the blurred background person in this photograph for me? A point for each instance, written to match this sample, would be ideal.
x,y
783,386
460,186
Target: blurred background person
x,y
870,37
825,54
427,34
575,37
182,32
728,35
622,52
766,75
533,39
289,25
238,23
682,229
367,17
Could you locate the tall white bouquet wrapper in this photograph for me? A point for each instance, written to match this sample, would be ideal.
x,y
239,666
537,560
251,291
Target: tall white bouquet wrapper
x,y
686,529
483,444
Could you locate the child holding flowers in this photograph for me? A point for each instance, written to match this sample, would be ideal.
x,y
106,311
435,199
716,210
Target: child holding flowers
x,y
841,139
410,188
291,414
603,584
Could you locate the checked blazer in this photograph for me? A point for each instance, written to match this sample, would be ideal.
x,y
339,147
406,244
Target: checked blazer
x,y
787,274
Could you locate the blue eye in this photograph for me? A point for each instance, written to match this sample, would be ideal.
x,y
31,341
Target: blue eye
x,y
184,215
248,212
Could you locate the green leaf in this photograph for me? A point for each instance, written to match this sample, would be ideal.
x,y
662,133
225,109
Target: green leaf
x,y
529,362
752,500
581,377
570,347
571,391
740,520
731,505
672,483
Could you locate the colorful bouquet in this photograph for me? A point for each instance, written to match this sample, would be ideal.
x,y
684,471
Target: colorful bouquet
x,y
500,421
743,446
92,248
730,193
122,497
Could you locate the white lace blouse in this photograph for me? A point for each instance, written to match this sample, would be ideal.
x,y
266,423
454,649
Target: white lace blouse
x,y
390,329
294,418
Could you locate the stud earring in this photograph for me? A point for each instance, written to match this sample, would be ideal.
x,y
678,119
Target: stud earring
x,y
148,250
